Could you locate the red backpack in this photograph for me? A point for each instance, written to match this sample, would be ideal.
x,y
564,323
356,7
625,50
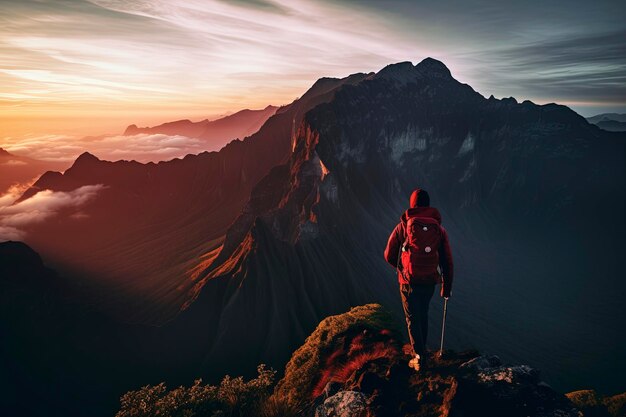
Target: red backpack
x,y
420,251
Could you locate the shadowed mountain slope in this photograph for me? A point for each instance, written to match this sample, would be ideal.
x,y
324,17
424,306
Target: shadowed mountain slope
x,y
139,240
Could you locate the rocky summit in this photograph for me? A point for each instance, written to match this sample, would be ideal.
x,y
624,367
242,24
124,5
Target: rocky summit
x,y
361,369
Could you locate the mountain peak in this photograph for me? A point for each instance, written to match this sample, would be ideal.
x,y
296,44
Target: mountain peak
x,y
405,72
85,158
434,68
14,255
4,153
131,130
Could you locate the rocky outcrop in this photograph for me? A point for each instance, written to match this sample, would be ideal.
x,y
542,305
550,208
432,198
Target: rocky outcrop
x,y
344,404
455,384
447,387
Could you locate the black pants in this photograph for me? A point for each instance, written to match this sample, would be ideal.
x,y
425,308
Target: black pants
x,y
415,301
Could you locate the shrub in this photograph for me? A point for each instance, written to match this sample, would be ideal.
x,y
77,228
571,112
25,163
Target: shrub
x,y
593,404
233,397
339,346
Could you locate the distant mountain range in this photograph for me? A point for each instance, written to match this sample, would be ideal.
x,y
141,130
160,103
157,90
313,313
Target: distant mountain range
x,y
16,169
216,132
239,254
613,122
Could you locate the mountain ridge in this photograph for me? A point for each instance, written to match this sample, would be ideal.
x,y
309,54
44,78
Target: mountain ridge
x,y
618,117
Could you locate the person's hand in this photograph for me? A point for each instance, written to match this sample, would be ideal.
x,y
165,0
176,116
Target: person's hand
x,y
445,291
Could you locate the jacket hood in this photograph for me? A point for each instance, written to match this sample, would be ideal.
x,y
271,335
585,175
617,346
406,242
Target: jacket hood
x,y
421,212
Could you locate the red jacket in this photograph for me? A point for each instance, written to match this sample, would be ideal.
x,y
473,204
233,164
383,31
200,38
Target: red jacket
x,y
398,236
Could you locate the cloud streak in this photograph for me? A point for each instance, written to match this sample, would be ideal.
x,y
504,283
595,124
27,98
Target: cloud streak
x,y
16,218
152,50
591,68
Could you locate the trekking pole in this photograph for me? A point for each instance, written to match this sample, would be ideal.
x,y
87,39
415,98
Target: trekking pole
x,y
443,325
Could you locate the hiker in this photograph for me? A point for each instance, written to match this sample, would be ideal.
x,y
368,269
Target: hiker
x,y
419,249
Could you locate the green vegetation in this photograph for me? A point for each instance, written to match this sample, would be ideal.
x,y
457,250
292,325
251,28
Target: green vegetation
x,y
233,397
594,405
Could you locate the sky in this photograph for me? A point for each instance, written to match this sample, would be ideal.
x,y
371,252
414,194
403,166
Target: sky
x,y
79,67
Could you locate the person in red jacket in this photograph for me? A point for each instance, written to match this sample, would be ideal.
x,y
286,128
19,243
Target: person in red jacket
x,y
419,249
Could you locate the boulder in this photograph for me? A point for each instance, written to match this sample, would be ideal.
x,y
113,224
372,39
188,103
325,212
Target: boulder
x,y
343,404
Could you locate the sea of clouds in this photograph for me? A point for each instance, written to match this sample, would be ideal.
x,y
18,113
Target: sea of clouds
x,y
142,147
16,217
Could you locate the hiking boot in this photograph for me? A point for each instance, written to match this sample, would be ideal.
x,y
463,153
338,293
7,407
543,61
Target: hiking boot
x,y
415,363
